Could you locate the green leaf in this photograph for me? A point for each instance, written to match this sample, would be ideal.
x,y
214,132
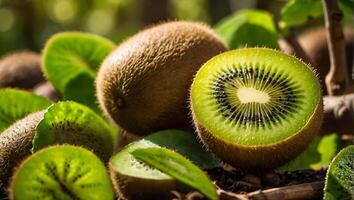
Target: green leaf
x,y
177,167
72,123
339,182
67,56
297,12
346,6
187,145
249,28
319,154
81,89
16,104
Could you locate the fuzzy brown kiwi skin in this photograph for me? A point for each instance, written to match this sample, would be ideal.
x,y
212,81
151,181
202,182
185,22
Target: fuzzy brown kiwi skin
x,y
21,70
263,157
132,188
314,43
47,90
143,85
16,144
125,138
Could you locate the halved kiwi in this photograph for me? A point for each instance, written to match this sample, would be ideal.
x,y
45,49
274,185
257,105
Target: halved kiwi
x,y
16,104
340,176
21,70
72,123
135,180
61,172
68,54
256,108
143,85
16,144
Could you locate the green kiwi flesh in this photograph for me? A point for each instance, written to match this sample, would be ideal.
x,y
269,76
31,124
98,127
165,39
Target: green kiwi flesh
x,y
21,70
16,104
68,54
16,144
340,176
143,85
256,108
130,175
72,123
61,172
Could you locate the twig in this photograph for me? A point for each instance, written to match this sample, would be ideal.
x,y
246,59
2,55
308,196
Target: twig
x,y
337,78
338,114
300,191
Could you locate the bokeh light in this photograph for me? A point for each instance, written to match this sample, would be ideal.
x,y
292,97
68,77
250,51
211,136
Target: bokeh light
x,y
7,19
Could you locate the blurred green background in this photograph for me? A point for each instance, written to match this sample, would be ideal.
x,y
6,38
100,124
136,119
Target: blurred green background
x,y
27,24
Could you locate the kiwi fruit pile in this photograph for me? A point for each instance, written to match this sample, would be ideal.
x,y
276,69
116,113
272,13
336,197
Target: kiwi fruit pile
x,y
255,111
21,70
143,84
172,85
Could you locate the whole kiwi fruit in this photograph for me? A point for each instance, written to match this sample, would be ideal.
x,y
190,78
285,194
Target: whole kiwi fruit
x,y
16,144
314,43
21,70
143,84
256,108
47,90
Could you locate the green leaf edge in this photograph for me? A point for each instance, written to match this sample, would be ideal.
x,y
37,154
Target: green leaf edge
x,y
147,155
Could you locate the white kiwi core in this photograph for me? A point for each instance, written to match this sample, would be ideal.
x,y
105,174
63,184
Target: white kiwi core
x,y
252,95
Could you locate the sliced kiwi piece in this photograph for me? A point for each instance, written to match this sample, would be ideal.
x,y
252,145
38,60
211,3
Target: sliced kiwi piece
x,y
16,104
143,84
16,144
73,123
256,108
130,175
21,70
340,176
67,54
61,172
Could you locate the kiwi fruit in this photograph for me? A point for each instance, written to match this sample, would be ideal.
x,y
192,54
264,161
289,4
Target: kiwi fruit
x,y
16,144
16,104
314,43
72,123
256,108
143,84
339,182
61,172
21,70
47,90
134,180
68,54
130,175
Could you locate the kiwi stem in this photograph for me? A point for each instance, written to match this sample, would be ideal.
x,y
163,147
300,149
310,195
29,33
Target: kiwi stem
x,y
338,114
336,80
311,190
